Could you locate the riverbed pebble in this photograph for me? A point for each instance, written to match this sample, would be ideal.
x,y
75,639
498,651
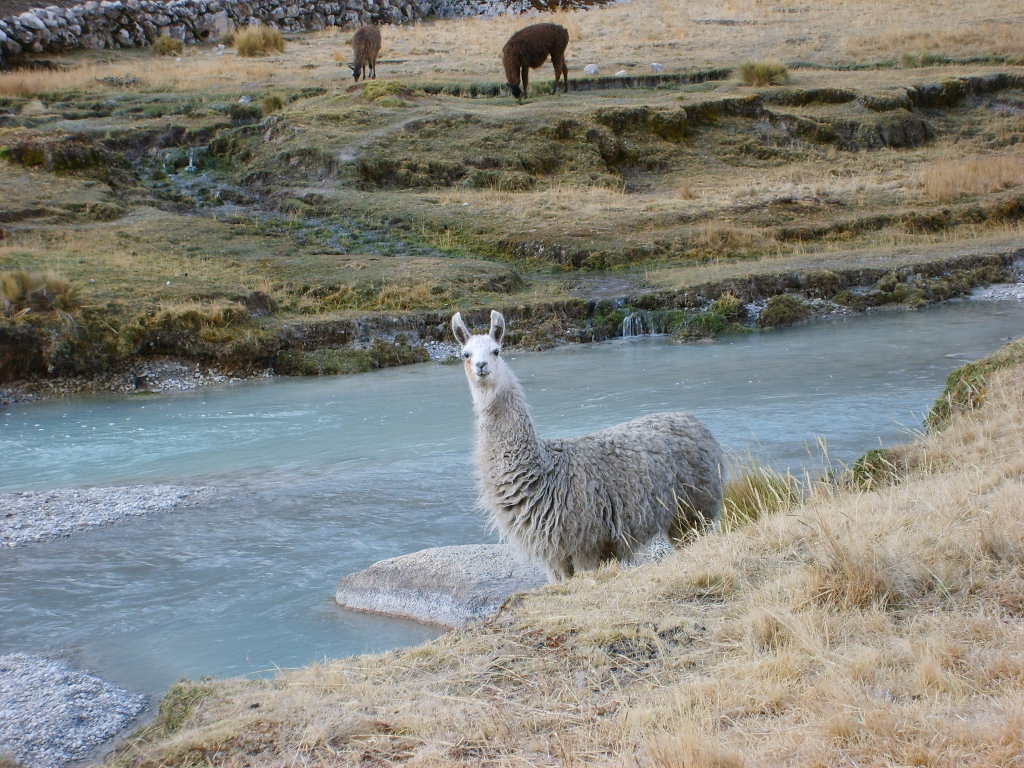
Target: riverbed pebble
x,y
51,714
440,351
31,516
999,292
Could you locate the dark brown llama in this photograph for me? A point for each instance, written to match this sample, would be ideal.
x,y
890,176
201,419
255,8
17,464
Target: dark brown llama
x,y
365,47
529,48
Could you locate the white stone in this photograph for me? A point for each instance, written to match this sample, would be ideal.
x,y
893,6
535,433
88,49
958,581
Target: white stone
x,y
452,586
32,21
591,69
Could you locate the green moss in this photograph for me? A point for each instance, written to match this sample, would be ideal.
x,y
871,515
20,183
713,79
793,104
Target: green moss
x,y
179,703
377,90
877,467
245,113
329,361
967,386
607,320
783,310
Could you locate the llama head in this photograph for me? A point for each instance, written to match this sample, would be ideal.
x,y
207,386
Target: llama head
x,y
481,354
355,72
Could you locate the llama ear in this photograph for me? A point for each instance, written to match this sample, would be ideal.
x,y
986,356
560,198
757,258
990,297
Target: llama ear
x,y
459,328
497,326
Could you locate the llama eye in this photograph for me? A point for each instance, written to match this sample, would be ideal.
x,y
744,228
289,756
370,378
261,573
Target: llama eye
x,y
495,351
466,355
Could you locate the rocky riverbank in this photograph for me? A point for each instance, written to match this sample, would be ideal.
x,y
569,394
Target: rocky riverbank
x,y
33,516
51,714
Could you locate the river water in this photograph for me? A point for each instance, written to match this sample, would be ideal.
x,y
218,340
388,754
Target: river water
x,y
315,478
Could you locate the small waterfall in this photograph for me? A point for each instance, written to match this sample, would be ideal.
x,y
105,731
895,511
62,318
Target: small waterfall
x,y
191,167
635,324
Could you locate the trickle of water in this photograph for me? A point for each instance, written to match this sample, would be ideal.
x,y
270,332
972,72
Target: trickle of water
x,y
191,167
635,324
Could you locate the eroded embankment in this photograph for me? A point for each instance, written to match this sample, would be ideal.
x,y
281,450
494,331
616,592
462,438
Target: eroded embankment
x,y
246,342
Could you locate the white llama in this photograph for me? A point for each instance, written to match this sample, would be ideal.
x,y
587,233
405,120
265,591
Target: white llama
x,y
573,504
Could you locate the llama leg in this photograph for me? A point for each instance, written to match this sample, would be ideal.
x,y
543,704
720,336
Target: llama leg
x,y
565,76
373,67
525,76
556,62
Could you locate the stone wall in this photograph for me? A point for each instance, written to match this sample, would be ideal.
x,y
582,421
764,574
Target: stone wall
x,y
134,23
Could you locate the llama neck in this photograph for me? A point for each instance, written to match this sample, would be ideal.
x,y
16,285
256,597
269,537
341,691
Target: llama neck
x,y
506,438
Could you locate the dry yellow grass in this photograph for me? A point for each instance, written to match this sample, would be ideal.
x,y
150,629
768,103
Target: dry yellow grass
x,y
1002,38
170,73
947,180
881,628
23,291
258,40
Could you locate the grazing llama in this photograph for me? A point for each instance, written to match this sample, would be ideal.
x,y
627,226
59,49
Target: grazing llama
x,y
574,504
529,48
365,47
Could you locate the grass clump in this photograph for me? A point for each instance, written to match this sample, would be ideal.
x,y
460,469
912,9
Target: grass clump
x,y
757,492
271,104
380,90
877,467
21,291
967,387
165,45
258,40
783,310
766,72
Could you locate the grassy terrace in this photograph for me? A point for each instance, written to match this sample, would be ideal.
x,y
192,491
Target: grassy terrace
x,y
893,143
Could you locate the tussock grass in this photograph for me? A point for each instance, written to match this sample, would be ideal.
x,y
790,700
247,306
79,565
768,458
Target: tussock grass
x,y
165,45
880,627
258,40
24,291
769,72
758,491
947,180
271,104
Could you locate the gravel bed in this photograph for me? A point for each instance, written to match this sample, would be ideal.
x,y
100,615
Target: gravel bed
x,y
999,292
441,351
51,714
30,516
149,376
